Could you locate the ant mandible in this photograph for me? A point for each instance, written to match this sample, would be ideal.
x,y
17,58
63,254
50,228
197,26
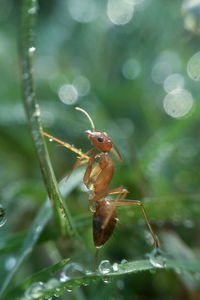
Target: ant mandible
x,y
97,179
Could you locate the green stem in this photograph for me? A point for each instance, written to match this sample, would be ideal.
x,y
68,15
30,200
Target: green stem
x,y
61,213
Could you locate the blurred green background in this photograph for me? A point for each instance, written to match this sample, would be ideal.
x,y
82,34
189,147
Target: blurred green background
x,y
134,66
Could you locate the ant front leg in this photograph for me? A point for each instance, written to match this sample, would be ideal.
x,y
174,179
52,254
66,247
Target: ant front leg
x,y
87,175
79,162
137,202
82,160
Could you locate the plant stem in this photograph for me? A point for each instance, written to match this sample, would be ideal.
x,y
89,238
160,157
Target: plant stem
x,y
27,49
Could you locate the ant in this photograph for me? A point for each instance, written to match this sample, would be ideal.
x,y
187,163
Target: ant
x,y
97,179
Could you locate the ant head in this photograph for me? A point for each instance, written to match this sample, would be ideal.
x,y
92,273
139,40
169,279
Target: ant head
x,y
100,140
103,142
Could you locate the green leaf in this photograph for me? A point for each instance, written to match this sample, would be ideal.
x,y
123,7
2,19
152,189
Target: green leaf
x,y
123,269
38,225
39,276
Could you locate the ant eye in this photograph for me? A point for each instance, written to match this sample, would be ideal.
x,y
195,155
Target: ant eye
x,y
100,139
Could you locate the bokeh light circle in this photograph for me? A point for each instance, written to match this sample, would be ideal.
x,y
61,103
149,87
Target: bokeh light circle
x,y
119,12
83,11
82,85
173,81
193,67
131,69
68,94
178,103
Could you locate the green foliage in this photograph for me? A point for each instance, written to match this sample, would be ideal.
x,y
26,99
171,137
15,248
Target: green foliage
x,y
46,247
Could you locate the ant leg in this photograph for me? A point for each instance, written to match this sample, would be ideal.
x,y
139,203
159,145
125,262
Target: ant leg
x,y
67,145
88,171
83,159
80,162
121,195
118,190
137,202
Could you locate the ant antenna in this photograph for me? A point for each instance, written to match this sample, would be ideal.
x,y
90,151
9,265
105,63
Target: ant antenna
x,y
87,115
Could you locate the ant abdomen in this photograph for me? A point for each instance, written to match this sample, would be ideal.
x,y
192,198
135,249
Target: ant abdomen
x,y
104,221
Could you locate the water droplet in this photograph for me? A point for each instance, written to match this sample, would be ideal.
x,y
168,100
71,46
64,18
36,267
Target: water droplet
x,y
59,291
70,271
86,282
107,280
37,111
35,290
148,237
98,247
88,272
105,267
115,267
31,50
32,10
156,258
50,139
124,261
2,216
52,283
10,263
38,229
64,277
92,207
31,96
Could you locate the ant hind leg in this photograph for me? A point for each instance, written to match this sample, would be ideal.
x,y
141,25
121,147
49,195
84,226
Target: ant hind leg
x,y
137,202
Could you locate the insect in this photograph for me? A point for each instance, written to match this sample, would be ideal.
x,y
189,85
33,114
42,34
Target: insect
x,y
97,178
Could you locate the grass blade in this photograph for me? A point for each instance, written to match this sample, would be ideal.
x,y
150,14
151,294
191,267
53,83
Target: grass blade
x,y
62,215
39,276
123,269
37,227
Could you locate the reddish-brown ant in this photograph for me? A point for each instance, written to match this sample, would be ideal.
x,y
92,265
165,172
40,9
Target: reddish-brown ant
x,y
97,179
